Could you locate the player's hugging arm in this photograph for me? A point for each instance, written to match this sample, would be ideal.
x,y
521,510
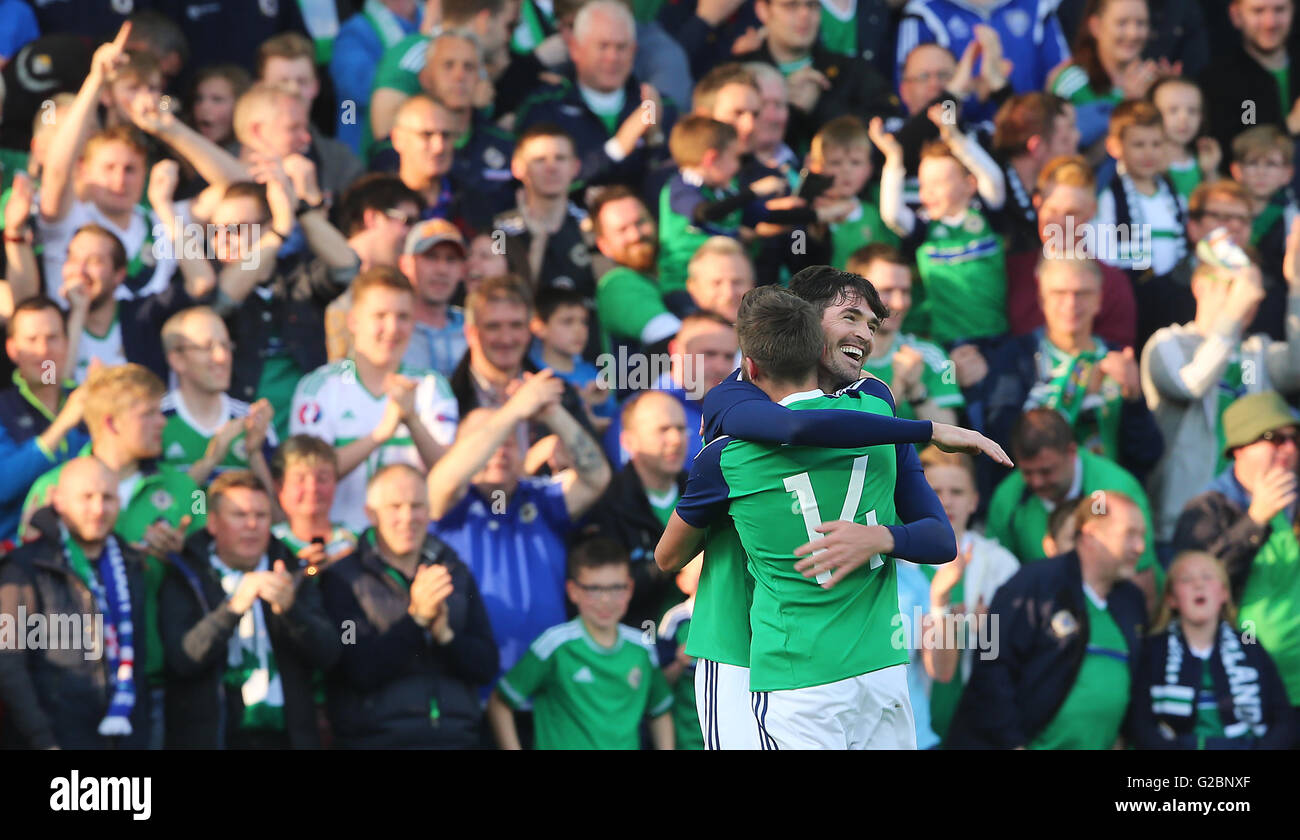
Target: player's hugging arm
x,y
740,410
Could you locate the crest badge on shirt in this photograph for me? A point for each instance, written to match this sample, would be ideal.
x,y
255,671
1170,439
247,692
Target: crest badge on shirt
x,y
634,677
1017,21
124,7
527,512
161,499
493,157
270,8
1064,624
958,29
973,224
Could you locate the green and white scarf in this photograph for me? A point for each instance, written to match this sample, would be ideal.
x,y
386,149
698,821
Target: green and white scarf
x,y
250,662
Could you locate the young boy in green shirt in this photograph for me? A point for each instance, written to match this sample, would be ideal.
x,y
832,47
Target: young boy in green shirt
x,y
1263,162
842,150
590,680
961,261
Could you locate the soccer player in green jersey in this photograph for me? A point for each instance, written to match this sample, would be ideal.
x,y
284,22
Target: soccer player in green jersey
x,y
822,669
591,680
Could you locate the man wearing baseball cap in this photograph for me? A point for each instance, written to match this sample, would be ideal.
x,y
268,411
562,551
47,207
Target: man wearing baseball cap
x,y
1247,519
434,260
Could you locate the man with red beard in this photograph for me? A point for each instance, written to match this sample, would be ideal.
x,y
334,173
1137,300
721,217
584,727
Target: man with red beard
x,y
629,301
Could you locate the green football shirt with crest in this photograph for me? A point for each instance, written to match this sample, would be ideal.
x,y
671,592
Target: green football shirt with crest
x,y
586,696
963,268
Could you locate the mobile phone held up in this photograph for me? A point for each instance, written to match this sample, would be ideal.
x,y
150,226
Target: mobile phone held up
x,y
812,185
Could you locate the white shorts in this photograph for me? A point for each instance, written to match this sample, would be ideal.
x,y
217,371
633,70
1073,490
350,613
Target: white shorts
x,y
722,700
867,712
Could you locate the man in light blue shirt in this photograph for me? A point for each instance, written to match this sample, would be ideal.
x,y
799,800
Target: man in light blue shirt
x,y
434,260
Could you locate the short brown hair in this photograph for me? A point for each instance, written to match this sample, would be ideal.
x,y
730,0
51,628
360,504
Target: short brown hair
x,y
1023,117
1065,171
705,95
695,135
1223,188
260,99
867,254
1254,143
233,480
252,190
124,134
237,76
115,244
507,287
1039,429
380,277
1097,505
111,390
608,195
595,553
1134,113
140,66
840,133
940,149
781,332
287,45
933,456
302,449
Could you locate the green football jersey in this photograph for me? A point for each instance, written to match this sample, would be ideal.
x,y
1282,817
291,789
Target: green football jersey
x,y
963,268
1018,518
1270,603
631,307
1186,176
1063,380
679,236
185,440
864,227
1093,711
801,634
720,622
839,30
586,696
1072,84
938,375
399,68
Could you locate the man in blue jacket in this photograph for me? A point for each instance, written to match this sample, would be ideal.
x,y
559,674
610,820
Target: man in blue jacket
x,y
40,414
1067,638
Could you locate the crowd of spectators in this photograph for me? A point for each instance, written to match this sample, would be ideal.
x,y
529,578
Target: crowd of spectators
x,y
355,355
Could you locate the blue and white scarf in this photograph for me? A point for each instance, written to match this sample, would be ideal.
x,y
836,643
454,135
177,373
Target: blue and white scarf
x,y
112,595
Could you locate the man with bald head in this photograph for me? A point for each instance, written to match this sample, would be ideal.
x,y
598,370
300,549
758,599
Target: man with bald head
x,y
423,644
83,687
423,136
641,497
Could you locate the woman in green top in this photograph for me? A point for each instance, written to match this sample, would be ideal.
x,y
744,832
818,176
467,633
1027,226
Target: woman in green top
x,y
1108,63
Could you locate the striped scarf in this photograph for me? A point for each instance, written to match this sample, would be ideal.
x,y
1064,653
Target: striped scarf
x,y
250,662
1177,696
112,596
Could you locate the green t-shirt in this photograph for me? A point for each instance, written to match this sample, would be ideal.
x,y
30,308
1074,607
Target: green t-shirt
x,y
1072,85
801,634
680,238
937,375
720,621
686,716
1186,176
945,697
839,34
11,161
663,505
1282,76
627,302
533,27
1093,711
186,441
399,68
586,696
1209,724
1270,603
165,493
1018,518
280,377
864,228
963,268
1062,384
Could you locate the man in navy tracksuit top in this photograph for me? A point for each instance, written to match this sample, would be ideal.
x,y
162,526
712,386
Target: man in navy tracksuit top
x,y
40,425
1059,672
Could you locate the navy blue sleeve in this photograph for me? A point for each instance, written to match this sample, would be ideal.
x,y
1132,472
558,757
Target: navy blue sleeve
x,y
706,497
926,535
741,410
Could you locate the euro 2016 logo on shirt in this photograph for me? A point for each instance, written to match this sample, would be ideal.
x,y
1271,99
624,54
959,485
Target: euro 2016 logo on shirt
x,y
634,677
309,412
